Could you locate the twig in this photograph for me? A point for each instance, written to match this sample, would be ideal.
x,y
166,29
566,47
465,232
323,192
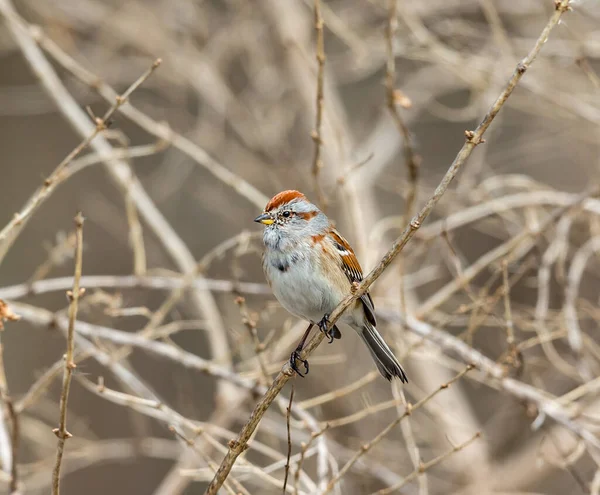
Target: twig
x,y
473,138
42,384
317,134
407,431
73,295
508,319
136,235
156,282
8,450
304,447
259,348
589,71
500,205
395,98
574,332
340,392
288,417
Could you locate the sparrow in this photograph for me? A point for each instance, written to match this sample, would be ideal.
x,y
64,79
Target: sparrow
x,y
311,268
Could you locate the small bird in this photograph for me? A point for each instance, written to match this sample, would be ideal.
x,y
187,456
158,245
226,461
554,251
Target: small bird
x,y
310,267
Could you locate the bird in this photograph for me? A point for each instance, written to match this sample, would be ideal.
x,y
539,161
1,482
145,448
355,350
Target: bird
x,y
311,268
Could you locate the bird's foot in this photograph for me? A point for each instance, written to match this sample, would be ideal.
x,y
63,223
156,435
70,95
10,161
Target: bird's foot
x,y
331,333
294,357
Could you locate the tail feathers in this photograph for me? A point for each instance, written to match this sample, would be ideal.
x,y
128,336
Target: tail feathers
x,y
383,356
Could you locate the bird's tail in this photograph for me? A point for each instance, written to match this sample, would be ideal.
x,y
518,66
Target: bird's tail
x,y
383,356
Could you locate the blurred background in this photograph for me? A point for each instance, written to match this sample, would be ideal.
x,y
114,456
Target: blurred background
x,y
508,262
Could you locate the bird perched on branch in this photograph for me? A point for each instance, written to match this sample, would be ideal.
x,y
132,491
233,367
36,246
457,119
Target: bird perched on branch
x,y
311,268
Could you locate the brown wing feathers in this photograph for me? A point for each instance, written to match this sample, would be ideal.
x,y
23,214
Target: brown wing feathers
x,y
353,271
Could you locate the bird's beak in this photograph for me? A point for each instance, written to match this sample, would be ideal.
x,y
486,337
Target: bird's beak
x,y
265,219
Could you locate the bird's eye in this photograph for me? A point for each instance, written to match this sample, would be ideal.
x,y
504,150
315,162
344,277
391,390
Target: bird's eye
x,y
286,214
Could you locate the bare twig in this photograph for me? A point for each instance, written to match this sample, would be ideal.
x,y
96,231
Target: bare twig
x,y
155,282
288,417
259,348
69,366
9,449
317,134
394,98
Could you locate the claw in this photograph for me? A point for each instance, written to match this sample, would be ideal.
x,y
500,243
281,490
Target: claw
x,y
323,324
295,356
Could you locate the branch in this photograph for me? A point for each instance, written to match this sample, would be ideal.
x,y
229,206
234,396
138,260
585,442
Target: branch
x,y
317,134
73,295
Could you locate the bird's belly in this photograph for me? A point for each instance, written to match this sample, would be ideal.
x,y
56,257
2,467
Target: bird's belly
x,y
303,291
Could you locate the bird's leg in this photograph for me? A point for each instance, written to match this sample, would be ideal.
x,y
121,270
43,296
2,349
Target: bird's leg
x,y
295,356
331,333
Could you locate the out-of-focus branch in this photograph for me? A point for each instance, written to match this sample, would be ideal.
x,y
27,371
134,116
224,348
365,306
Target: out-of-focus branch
x,y
316,134
156,282
394,98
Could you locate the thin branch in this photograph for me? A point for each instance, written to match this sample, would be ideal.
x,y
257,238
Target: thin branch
x,y
9,447
288,417
73,295
394,98
317,133
512,353
156,282
259,347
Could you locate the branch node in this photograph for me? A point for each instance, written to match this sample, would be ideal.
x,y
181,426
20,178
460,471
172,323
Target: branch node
x,y
63,435
563,6
473,138
415,224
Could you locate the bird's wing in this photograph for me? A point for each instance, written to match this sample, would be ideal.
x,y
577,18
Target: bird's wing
x,y
353,271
